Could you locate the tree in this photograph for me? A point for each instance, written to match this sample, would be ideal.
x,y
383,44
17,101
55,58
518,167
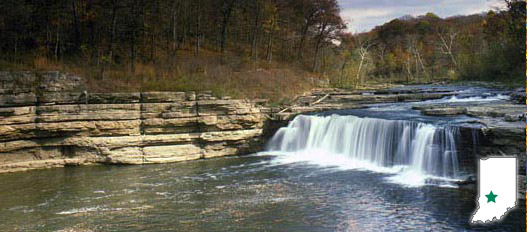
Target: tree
x,y
270,26
226,12
329,25
446,45
363,48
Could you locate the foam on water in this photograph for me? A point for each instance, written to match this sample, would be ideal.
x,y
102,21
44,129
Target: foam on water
x,y
81,210
453,99
413,152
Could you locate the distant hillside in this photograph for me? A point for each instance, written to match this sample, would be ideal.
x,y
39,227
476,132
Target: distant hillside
x,y
257,48
488,46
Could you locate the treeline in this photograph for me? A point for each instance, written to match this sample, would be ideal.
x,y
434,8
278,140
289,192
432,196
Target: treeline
x,y
487,46
256,48
119,32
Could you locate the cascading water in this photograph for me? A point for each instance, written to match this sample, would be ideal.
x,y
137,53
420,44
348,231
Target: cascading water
x,y
417,149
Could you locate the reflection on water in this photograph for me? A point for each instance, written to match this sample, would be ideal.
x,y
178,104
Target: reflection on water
x,y
250,193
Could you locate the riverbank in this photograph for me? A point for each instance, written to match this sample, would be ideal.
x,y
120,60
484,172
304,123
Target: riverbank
x,y
49,120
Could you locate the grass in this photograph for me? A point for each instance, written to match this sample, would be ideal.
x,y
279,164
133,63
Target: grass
x,y
237,77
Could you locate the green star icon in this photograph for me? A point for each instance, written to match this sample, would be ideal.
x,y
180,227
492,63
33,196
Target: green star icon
x,y
491,197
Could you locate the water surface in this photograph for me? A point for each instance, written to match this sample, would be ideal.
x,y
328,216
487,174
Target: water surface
x,y
249,193
279,192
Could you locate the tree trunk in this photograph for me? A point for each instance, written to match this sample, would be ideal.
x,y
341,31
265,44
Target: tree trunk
x,y
132,52
91,26
302,40
358,79
341,75
112,34
270,43
77,37
185,22
152,48
317,47
255,31
132,38
226,11
416,69
421,62
408,70
448,47
174,28
57,42
16,48
198,24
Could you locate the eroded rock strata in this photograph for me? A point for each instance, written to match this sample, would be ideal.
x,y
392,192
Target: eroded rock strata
x,y
47,119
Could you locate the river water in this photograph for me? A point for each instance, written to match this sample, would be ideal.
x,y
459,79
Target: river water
x,y
396,177
249,193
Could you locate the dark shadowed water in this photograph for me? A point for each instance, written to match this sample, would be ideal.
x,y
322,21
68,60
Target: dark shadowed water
x,y
250,193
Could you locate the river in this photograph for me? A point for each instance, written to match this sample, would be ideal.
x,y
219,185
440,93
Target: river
x,y
249,193
396,175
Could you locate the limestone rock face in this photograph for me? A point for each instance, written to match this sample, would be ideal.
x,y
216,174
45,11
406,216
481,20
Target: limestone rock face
x,y
48,120
444,111
500,110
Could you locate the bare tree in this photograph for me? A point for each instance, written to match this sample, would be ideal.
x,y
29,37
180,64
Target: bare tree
x,y
271,26
226,12
447,45
112,31
413,48
255,30
363,50
381,51
408,66
198,27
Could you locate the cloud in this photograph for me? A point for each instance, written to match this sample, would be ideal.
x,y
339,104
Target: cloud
x,y
364,15
359,19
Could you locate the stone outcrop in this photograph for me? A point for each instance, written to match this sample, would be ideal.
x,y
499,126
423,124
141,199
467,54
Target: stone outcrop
x,y
498,128
510,112
446,111
47,119
501,132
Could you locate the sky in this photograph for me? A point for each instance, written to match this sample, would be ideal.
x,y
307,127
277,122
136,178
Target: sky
x,y
364,15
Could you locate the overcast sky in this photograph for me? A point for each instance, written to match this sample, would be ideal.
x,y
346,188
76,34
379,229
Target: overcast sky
x,y
363,15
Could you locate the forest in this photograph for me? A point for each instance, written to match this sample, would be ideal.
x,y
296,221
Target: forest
x,y
254,48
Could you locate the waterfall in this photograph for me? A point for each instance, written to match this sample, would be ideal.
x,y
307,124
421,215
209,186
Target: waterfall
x,y
422,149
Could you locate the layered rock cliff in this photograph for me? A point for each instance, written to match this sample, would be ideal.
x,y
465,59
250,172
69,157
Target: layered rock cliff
x,y
47,119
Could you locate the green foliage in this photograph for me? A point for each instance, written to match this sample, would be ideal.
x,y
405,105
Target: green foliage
x,y
432,15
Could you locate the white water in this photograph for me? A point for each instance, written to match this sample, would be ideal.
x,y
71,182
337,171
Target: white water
x,y
453,99
415,152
